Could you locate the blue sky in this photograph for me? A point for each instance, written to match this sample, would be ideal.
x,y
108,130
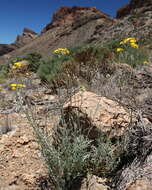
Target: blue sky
x,y
35,14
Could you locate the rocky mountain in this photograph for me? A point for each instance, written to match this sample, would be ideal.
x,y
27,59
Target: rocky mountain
x,y
69,24
67,29
26,37
66,16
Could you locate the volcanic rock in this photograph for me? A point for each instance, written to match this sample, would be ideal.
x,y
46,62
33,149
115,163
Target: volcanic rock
x,y
97,114
141,5
6,48
27,36
70,15
123,11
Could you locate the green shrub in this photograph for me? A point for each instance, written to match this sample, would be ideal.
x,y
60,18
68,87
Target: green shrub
x,y
74,156
70,155
82,63
33,58
105,156
132,56
4,69
16,59
35,61
66,161
112,44
49,70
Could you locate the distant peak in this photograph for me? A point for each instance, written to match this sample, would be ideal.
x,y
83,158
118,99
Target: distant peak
x,y
27,30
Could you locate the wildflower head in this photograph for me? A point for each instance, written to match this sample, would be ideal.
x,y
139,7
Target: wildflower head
x,y
16,86
146,62
62,51
119,49
126,40
129,41
17,65
134,45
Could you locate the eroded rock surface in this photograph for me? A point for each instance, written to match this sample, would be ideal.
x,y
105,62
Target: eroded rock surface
x,y
102,113
21,164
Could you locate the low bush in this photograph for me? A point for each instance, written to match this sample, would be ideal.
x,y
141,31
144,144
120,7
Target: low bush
x,y
80,65
49,70
4,69
132,56
70,155
35,61
33,58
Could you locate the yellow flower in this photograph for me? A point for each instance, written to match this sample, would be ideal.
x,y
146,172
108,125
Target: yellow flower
x,y
13,85
17,65
146,62
131,40
21,85
13,88
119,49
62,51
14,67
134,45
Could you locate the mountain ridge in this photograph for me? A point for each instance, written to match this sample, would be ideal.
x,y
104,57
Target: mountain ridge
x,y
69,24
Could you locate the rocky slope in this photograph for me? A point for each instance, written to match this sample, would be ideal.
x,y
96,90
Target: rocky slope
x,y
69,24
71,33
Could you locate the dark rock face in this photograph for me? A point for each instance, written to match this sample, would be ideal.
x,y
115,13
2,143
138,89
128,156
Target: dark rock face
x,y
134,4
124,11
70,15
140,3
6,48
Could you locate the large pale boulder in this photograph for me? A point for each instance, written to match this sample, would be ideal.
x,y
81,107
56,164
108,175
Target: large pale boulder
x,y
97,114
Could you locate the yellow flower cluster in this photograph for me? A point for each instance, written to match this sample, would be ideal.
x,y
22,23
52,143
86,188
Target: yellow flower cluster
x,y
128,41
131,41
15,86
17,65
119,49
62,51
146,62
